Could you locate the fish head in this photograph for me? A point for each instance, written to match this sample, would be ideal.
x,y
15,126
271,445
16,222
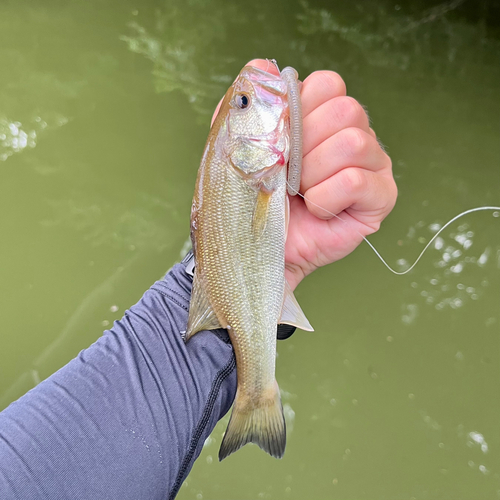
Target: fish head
x,y
256,128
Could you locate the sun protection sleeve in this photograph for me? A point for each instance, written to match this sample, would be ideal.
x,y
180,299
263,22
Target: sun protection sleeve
x,y
127,418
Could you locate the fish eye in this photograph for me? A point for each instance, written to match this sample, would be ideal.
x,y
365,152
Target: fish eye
x,y
242,101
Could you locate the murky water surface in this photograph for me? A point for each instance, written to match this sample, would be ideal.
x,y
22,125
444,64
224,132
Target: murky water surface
x,y
104,110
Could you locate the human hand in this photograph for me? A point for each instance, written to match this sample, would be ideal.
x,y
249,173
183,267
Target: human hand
x,y
344,170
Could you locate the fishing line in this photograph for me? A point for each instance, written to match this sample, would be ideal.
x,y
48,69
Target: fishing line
x,y
377,253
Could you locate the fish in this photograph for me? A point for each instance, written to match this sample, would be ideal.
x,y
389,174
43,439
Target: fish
x,y
239,221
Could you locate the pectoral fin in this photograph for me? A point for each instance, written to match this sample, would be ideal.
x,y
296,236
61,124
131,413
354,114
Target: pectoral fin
x,y
201,314
261,211
291,313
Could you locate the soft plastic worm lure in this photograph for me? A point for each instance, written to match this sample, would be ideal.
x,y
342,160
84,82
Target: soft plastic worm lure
x,y
291,78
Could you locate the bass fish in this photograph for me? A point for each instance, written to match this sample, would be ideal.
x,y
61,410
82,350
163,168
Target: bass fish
x,y
239,220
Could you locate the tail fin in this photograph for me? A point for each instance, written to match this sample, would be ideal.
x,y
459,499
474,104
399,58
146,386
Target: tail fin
x,y
261,422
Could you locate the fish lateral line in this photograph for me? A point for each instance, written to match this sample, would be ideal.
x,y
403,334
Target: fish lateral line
x,y
377,253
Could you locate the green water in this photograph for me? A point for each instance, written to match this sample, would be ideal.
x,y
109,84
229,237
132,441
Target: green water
x,y
104,110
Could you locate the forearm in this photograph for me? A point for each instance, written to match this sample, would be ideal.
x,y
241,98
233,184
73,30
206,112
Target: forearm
x,y
128,416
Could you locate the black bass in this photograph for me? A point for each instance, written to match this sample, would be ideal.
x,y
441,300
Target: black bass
x,y
239,221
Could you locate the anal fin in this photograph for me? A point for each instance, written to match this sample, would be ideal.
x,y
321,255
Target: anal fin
x,y
201,314
291,313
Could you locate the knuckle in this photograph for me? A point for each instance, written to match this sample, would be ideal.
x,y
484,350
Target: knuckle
x,y
353,141
332,81
386,163
390,196
354,181
393,195
375,226
348,110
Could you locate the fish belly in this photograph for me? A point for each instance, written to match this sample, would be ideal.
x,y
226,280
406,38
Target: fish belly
x,y
245,278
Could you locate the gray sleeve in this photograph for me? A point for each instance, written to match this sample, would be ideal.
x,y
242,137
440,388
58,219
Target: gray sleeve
x,y
127,418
